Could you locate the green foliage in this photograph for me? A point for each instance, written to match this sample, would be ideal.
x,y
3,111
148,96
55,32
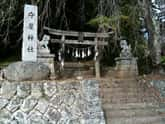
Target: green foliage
x,y
100,20
141,50
145,65
144,59
162,61
106,22
128,27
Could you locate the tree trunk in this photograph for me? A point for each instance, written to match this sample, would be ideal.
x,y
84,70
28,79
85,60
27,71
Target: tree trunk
x,y
153,30
157,42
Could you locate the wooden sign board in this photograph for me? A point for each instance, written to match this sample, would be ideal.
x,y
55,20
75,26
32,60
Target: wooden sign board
x,y
29,45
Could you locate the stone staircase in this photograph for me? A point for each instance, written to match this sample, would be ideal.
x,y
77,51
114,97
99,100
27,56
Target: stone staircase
x,y
127,101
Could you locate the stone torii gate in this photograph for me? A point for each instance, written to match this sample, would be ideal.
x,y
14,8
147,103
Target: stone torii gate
x,y
98,40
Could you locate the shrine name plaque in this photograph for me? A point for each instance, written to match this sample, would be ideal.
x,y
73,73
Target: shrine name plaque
x,y
29,45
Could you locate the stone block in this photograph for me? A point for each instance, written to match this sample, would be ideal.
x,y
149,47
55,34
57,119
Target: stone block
x,y
36,117
3,102
37,90
90,90
19,117
29,104
8,89
23,89
88,84
93,106
53,114
48,60
26,71
50,88
57,100
69,98
75,121
42,105
5,116
14,104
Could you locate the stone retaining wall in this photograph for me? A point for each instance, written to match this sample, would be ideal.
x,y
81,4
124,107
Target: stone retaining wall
x,y
50,102
160,86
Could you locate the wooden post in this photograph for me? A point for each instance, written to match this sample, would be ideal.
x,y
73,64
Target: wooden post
x,y
97,60
63,51
63,43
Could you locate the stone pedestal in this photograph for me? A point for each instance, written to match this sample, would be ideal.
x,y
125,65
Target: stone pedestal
x,y
47,59
44,56
126,67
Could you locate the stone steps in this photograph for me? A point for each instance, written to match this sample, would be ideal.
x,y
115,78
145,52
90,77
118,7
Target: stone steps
x,y
130,106
116,85
126,96
130,95
126,101
136,120
119,86
110,93
120,89
131,112
119,81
